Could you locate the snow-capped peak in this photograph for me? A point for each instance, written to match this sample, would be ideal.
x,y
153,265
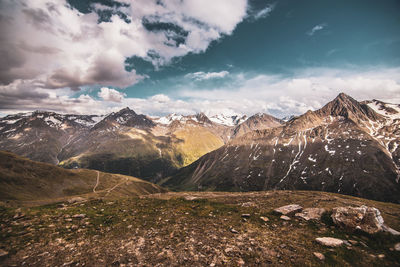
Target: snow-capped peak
x,y
166,120
228,120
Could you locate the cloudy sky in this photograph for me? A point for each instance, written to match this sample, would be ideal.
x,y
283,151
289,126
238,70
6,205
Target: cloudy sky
x,y
185,56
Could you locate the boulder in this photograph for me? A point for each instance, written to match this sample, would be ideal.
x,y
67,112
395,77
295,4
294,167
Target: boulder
x,y
367,219
311,214
330,241
289,209
285,218
319,255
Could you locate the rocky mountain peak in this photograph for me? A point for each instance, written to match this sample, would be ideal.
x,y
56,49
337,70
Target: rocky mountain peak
x,y
126,117
202,118
349,108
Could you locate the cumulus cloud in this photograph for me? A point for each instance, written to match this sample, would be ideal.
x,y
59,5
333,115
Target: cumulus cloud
x,y
109,94
317,28
72,48
199,76
280,96
309,89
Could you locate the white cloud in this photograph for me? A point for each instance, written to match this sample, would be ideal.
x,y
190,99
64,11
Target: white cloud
x,y
199,76
109,94
309,89
316,28
263,13
160,98
67,48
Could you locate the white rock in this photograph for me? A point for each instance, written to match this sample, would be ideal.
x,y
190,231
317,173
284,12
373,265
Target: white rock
x,y
367,219
319,256
289,209
311,214
330,241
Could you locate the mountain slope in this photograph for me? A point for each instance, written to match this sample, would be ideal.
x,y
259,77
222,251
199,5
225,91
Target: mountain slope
x,y
41,135
148,153
344,147
259,121
25,180
122,142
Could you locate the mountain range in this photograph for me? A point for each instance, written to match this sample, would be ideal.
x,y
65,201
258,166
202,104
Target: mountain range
x,y
123,142
346,147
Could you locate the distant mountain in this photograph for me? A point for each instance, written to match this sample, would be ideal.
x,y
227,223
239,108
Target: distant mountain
x,y
41,135
228,120
288,118
29,181
258,121
124,117
121,142
346,147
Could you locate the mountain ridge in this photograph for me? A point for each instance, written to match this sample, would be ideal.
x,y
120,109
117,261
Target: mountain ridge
x,y
344,147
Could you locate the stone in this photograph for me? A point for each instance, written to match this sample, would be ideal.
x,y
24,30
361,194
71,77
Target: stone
x,y
390,230
265,219
311,214
366,219
245,215
248,204
285,218
3,253
79,216
381,256
319,255
76,200
353,242
289,209
227,250
234,231
397,247
240,262
330,241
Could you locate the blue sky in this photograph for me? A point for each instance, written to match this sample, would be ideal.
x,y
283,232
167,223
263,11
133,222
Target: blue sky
x,y
228,56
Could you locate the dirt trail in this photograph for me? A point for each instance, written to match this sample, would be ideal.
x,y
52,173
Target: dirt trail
x,y
115,186
97,182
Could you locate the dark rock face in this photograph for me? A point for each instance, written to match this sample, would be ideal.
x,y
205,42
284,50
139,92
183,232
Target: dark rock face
x,y
345,147
125,117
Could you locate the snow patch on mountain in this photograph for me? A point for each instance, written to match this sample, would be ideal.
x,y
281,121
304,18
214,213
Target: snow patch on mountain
x,y
386,109
228,120
167,120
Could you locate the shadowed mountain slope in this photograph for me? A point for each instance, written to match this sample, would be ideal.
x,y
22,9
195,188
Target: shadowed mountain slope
x,y
344,147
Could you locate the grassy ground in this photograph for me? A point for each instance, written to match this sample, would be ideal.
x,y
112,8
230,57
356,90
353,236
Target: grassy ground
x,y
182,229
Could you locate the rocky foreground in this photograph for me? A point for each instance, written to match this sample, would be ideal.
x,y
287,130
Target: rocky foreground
x,y
204,229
